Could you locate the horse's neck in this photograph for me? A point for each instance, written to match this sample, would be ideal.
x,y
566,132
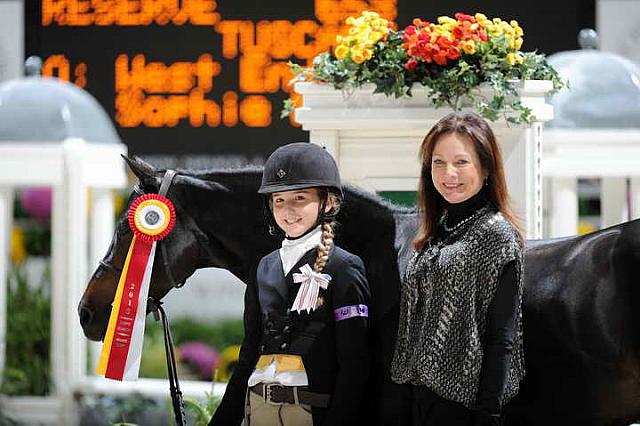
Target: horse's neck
x,y
236,226
368,223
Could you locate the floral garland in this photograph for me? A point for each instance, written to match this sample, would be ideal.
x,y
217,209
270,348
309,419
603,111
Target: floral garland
x,y
450,58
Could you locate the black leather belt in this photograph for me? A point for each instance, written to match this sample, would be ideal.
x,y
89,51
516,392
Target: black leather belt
x,y
274,393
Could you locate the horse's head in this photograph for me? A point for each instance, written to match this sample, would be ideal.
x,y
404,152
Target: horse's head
x,y
202,237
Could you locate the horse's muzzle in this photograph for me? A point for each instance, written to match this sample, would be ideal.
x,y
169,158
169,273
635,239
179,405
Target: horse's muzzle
x,y
86,317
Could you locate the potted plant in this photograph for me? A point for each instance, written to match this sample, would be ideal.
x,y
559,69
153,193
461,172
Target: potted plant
x,y
462,61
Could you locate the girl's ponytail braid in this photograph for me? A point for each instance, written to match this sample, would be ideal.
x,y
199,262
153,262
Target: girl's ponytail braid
x,y
326,241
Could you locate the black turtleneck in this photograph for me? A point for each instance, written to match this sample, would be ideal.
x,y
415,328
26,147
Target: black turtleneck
x,y
501,316
457,212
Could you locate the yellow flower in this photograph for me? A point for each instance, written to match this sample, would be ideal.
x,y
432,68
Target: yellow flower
x,y
514,58
18,250
509,31
469,47
228,359
368,53
342,51
381,23
481,17
446,20
519,42
447,27
519,32
358,55
513,23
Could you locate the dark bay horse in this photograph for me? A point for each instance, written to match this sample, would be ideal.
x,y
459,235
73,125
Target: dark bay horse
x,y
581,300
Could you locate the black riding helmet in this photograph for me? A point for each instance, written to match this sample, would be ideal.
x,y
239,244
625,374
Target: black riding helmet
x,y
298,166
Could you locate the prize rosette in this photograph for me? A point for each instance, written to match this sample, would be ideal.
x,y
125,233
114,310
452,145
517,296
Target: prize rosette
x,y
151,218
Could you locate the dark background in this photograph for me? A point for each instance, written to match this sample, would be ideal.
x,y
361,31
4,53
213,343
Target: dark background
x,y
549,26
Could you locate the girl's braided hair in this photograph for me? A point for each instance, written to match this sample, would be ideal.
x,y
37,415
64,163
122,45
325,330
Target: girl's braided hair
x,y
326,240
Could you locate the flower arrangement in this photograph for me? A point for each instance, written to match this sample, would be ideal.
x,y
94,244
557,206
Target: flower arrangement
x,y
450,58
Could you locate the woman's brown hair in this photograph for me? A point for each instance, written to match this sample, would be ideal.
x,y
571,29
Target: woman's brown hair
x,y
430,202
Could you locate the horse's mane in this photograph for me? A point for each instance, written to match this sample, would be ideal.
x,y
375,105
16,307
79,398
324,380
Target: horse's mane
x,y
214,173
350,190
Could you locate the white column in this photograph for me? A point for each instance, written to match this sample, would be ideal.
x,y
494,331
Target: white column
x,y
102,224
635,197
77,215
612,200
101,230
11,39
521,149
6,222
70,277
564,205
59,279
327,139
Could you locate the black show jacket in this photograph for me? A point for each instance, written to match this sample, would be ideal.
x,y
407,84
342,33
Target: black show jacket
x,y
335,353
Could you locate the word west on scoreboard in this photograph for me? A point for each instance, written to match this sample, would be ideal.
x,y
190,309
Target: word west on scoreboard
x,y
192,65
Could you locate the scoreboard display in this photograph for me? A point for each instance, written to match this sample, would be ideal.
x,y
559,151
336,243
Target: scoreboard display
x,y
207,77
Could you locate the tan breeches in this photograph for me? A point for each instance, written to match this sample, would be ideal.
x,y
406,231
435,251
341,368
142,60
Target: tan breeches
x,y
264,414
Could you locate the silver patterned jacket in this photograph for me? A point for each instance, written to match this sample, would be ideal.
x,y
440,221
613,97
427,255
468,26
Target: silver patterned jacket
x,y
446,291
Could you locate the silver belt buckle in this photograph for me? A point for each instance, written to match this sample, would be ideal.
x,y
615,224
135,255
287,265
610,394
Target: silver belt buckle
x,y
267,392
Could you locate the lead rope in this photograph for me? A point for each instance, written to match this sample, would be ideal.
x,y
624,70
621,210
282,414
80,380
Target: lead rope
x,y
174,386
159,313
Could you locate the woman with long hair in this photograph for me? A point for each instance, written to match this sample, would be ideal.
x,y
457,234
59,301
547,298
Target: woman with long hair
x,y
460,331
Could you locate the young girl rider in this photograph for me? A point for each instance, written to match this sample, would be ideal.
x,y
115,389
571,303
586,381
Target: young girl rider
x,y
304,358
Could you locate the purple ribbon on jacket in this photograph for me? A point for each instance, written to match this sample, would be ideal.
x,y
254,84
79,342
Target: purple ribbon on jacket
x,y
352,311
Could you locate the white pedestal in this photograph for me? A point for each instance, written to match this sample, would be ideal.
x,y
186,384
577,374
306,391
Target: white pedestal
x,y
375,140
70,168
564,203
613,203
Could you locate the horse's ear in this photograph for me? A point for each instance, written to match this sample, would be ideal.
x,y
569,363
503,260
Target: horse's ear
x,y
207,185
143,170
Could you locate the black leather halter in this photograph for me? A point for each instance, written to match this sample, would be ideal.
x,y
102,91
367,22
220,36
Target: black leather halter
x,y
167,179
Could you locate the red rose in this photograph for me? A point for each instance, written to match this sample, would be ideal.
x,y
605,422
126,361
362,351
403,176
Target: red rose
x,y
453,53
464,17
440,59
411,64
